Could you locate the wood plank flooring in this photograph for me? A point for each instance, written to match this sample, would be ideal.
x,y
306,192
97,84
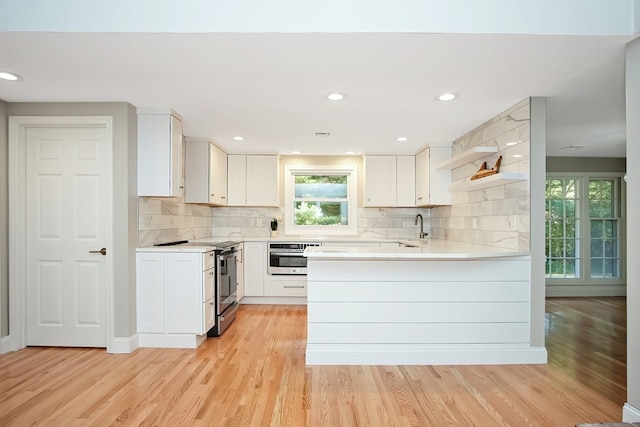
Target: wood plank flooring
x,y
255,375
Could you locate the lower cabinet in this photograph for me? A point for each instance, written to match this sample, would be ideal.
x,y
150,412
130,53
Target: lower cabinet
x,y
255,268
285,286
175,297
240,272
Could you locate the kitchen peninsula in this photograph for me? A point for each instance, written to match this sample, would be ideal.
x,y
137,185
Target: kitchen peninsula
x,y
438,302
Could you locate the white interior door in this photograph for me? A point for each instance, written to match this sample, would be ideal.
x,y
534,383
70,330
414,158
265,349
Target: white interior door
x,y
67,200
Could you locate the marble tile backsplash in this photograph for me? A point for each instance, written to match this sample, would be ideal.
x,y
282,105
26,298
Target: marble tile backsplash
x,y
164,220
496,216
373,223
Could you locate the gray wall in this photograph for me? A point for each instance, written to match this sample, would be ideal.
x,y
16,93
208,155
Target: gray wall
x,y
586,164
125,214
4,214
633,226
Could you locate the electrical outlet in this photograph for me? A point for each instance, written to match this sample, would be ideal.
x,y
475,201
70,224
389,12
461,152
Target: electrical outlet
x,y
362,222
259,222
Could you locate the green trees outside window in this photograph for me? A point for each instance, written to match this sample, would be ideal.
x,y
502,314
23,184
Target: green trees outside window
x,y
321,200
582,230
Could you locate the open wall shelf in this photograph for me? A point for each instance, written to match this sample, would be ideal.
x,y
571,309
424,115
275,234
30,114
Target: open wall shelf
x,y
468,156
490,181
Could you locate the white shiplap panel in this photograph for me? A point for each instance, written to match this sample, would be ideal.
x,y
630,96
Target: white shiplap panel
x,y
447,333
417,291
418,312
516,268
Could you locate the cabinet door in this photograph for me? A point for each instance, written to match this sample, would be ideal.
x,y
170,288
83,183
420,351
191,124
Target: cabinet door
x,y
283,286
422,178
150,292
184,293
176,175
240,271
237,180
159,155
262,180
439,180
217,175
197,171
379,181
405,181
255,269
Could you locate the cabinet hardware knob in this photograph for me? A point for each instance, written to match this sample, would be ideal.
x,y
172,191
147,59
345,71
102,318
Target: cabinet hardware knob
x,y
295,287
181,187
222,197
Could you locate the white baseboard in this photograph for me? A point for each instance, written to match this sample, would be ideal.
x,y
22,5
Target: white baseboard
x,y
171,340
630,414
124,345
5,344
509,356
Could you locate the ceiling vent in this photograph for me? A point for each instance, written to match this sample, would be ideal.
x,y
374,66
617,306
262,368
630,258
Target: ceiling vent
x,y
322,134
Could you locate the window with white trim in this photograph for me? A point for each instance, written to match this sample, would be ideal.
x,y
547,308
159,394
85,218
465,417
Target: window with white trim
x,y
321,200
584,222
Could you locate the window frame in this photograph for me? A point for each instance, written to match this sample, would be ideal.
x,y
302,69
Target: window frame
x,y
318,230
584,228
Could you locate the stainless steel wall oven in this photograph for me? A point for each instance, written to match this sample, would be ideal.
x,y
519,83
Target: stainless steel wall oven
x,y
286,258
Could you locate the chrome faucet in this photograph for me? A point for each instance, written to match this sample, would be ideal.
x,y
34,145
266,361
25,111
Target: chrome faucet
x,y
422,233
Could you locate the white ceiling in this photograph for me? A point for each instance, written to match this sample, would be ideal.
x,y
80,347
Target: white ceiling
x,y
270,87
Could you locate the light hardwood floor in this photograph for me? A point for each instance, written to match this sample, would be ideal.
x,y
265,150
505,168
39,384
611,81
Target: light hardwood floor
x,y
255,375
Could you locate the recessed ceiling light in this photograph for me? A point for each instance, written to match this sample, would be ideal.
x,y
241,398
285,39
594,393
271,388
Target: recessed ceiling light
x,y
296,152
517,155
513,143
238,138
348,152
402,139
336,96
446,97
5,75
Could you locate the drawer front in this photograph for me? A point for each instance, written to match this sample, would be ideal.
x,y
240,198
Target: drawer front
x,y
209,280
209,315
209,260
285,288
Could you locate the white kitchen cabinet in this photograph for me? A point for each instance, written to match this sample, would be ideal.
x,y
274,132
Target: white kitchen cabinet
x,y
175,297
159,153
432,186
389,181
285,286
240,271
253,180
206,172
255,268
237,180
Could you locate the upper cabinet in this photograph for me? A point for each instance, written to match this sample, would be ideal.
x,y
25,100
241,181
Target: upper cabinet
x,y
389,181
432,186
253,180
159,153
206,173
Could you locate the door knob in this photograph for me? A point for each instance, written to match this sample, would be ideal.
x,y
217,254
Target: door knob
x,y
102,251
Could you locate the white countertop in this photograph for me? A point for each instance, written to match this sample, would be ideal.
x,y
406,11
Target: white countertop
x,y
424,250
